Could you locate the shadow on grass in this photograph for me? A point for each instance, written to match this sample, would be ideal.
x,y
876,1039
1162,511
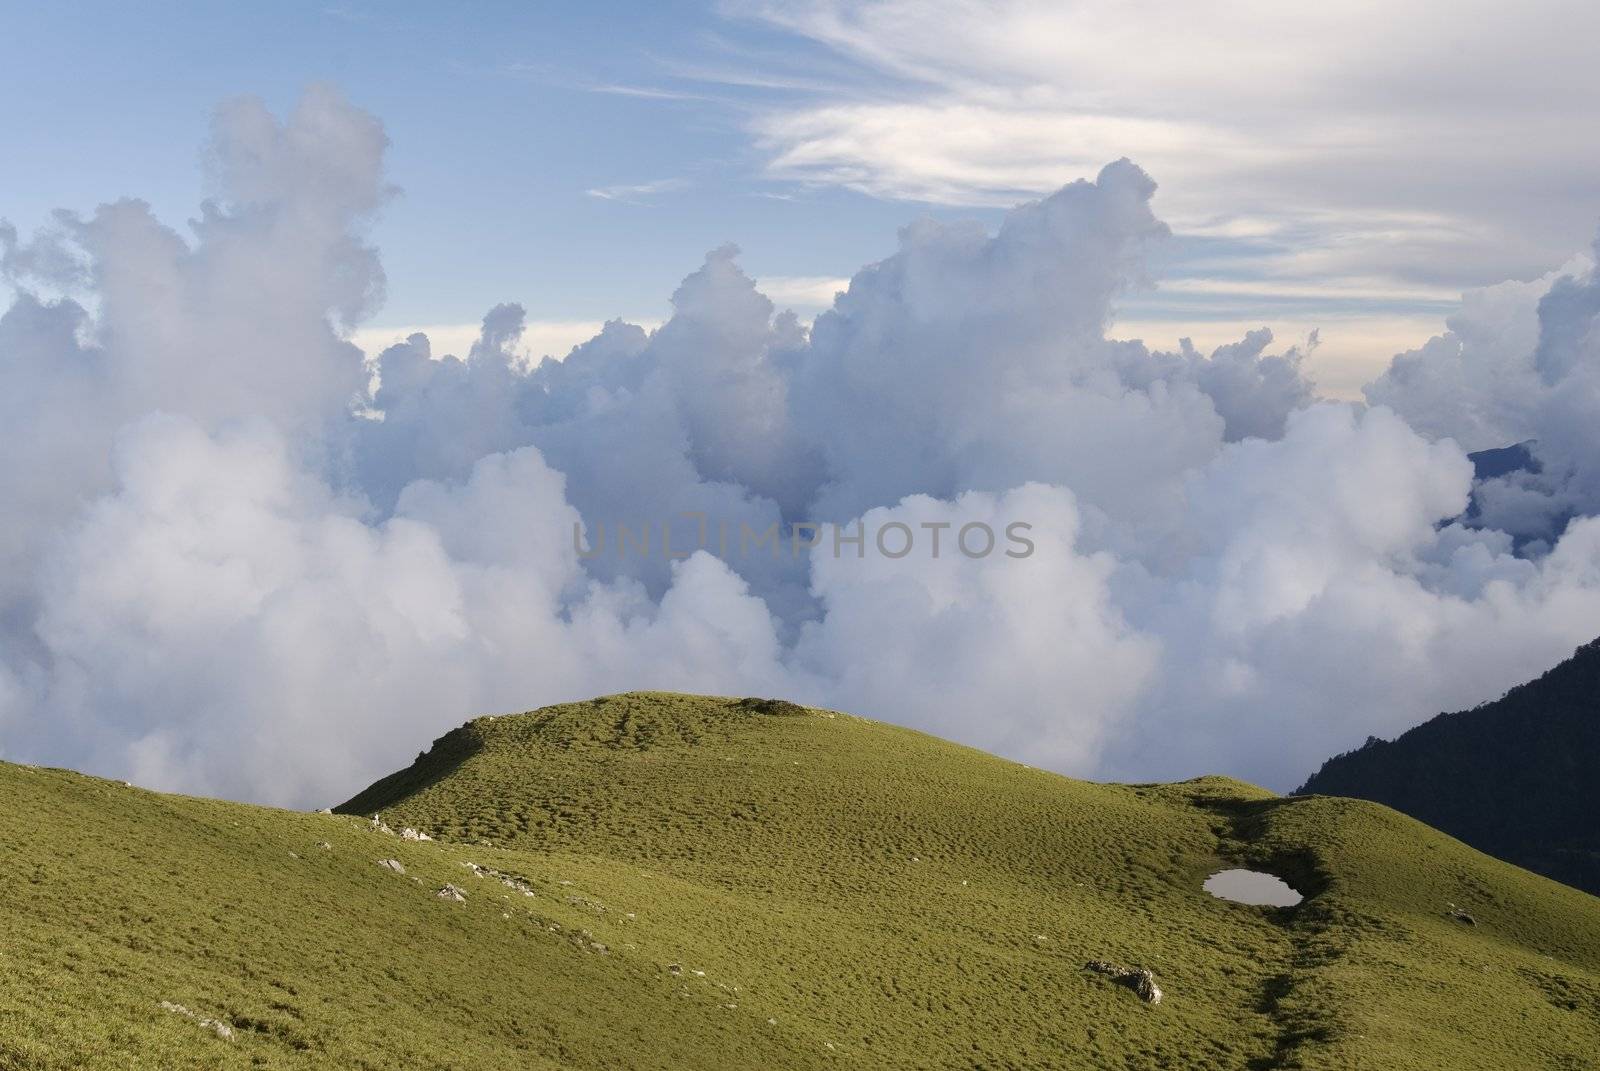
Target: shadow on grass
x,y
443,758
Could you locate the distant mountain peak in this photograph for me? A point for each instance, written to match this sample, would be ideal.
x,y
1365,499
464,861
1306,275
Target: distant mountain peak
x,y
1513,777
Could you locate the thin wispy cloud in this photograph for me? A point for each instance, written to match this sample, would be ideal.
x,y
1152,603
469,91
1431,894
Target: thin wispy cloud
x,y
1390,154
637,193
648,92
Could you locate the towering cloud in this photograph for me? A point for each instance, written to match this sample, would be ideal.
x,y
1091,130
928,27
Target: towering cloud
x,y
239,557
1520,362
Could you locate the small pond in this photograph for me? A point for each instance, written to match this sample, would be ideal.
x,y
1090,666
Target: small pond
x,y
1252,887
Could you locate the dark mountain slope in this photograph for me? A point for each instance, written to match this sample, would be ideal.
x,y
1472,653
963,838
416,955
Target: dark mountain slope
x,y
1515,778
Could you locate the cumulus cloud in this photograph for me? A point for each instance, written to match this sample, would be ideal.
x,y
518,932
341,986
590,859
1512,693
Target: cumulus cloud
x,y
921,639
1519,363
239,558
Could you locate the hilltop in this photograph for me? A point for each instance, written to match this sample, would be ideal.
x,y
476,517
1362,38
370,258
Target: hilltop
x,y
669,881
1514,778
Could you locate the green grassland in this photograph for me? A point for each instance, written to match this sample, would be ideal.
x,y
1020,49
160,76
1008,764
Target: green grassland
x,y
688,882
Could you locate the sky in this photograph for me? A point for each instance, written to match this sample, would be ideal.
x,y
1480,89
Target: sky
x,y
1348,170
288,490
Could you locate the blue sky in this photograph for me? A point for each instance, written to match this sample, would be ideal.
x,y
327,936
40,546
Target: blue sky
x,y
581,159
500,123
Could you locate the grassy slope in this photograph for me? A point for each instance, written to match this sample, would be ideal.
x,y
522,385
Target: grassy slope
x,y
890,900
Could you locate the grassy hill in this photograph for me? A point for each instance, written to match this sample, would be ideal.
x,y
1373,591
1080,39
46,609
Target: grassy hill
x,y
666,881
1514,778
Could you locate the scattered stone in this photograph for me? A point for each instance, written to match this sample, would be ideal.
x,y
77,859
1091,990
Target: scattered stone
x,y
216,1026
510,881
1141,980
1462,916
586,941
324,845
393,864
450,892
410,834
674,968
324,810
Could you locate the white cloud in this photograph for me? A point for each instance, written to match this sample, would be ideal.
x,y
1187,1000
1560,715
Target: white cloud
x,y
223,572
1076,668
1416,144
638,193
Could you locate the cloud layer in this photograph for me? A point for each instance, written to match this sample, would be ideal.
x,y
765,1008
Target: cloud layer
x,y
240,558
1431,151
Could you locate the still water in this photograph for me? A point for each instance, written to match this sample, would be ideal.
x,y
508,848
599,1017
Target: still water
x,y
1252,887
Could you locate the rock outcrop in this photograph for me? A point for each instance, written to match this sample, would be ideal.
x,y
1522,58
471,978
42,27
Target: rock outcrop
x,y
1140,979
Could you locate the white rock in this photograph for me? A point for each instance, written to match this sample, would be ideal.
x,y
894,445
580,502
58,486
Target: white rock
x,y
216,1026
